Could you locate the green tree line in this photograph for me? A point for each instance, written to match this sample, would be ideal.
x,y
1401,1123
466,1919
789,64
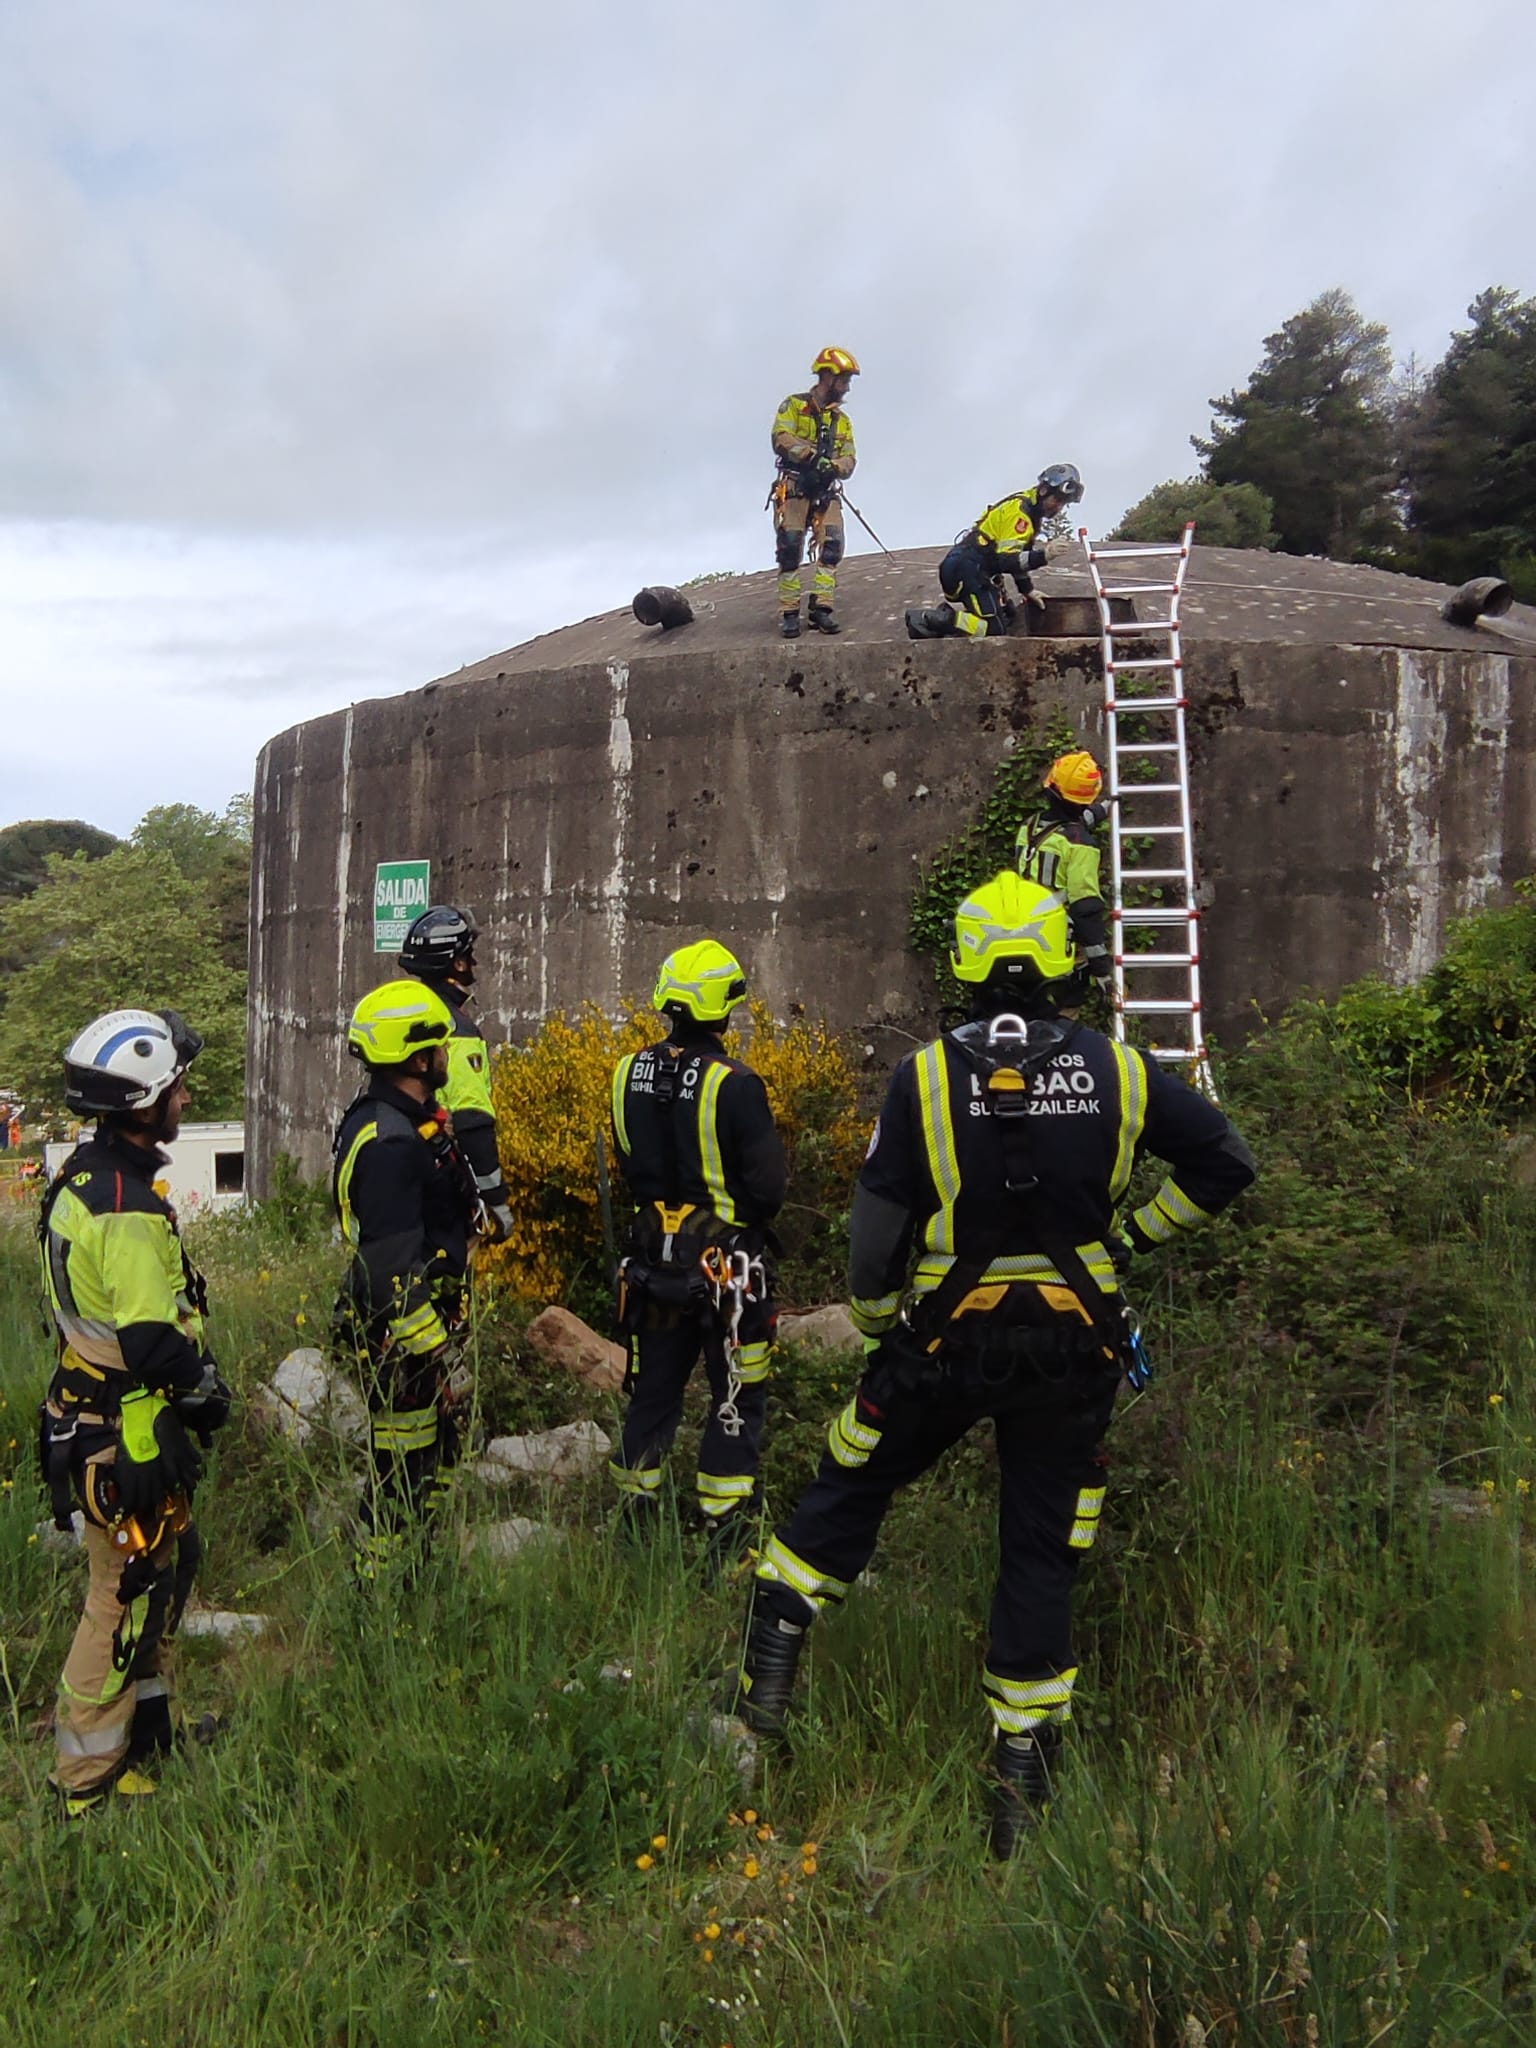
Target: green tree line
x,y
1329,449
90,923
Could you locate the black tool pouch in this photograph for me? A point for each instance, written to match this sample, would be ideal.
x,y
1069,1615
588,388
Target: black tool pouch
x,y
56,1458
903,1369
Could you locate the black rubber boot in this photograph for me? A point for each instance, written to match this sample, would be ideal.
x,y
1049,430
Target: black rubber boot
x,y
1023,1767
768,1669
789,625
930,621
822,621
150,1733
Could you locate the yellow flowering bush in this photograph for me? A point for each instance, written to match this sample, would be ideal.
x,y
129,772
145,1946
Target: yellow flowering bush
x,y
552,1100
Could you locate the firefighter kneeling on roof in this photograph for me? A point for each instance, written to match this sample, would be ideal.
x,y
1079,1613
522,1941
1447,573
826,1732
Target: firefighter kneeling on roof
x,y
1002,1152
702,1156
408,1205
134,1382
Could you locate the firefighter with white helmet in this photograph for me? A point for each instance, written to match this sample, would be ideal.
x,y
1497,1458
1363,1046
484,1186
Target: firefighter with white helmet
x,y
983,1274
134,1383
813,441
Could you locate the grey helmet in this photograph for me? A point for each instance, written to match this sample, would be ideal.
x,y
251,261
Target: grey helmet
x,y
1062,477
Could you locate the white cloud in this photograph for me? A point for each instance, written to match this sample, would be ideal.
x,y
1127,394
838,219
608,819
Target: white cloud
x,y
416,325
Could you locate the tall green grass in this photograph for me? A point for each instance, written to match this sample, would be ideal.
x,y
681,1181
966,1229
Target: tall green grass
x,y
1298,1802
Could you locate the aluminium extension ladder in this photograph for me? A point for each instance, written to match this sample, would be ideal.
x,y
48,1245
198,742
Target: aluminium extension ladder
x,y
1151,840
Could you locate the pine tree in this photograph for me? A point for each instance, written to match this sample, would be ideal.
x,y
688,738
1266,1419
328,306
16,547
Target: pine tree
x,y
1312,430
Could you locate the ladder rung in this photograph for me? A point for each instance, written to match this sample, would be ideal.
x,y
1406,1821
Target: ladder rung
x,y
1141,590
1149,789
1149,831
1146,661
1159,1006
1130,960
1157,914
1144,746
1125,551
1131,705
1175,1052
1151,874
1144,626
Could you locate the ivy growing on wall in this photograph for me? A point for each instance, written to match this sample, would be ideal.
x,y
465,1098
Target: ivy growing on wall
x,y
975,854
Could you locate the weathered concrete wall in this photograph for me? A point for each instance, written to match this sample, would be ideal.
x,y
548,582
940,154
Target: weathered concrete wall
x,y
1348,800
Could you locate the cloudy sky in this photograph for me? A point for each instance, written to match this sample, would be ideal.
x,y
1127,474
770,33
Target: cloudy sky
x,y
343,344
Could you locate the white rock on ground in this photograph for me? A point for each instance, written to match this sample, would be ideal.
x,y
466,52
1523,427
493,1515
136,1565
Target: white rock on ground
x,y
830,1327
502,1541
305,1395
62,1542
563,1339
223,1623
569,1452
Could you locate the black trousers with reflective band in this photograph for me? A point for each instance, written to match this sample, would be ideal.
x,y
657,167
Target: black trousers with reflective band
x,y
662,1363
1051,1487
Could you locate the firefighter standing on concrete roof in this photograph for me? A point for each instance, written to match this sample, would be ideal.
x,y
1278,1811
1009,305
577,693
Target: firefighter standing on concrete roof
x,y
1007,540
134,1377
439,950
702,1156
813,440
1001,1153
1058,850
407,1203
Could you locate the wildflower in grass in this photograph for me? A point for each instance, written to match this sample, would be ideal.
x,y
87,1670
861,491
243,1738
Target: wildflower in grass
x,y
765,1833
750,1817
1505,1864
1298,1968
712,1931
1522,1486
809,1865
709,1955
645,1862
751,1868
1515,1693
1495,1400
658,1841
1490,1487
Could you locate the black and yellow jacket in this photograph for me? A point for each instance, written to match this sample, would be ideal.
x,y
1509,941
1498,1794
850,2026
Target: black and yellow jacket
x,y
711,1142
1060,852
126,1301
1007,536
403,1210
466,1094
935,1184
801,433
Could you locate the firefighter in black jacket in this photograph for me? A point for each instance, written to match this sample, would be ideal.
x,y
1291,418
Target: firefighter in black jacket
x,y
989,1197
407,1203
439,950
702,1157
134,1376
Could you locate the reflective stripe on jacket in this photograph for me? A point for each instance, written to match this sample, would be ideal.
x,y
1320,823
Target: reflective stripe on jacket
x,y
729,1157
404,1216
796,427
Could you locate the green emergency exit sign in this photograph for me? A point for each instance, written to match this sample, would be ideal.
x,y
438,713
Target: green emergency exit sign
x,y
399,897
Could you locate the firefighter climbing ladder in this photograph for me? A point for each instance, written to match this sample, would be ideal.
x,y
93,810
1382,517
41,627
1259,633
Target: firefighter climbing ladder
x,y
1151,841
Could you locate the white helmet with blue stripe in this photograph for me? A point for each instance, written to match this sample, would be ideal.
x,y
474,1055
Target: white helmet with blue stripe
x,y
127,1060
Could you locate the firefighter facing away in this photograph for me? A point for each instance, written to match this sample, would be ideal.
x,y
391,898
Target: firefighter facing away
x,y
705,1163
439,950
813,440
988,1198
407,1204
1007,540
135,1381
1058,850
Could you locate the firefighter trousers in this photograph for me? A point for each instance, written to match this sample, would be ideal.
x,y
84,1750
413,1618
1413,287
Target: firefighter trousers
x,y
1051,1488
662,1359
114,1693
793,518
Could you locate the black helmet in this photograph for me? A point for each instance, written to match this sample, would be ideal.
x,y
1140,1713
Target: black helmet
x,y
1062,477
439,936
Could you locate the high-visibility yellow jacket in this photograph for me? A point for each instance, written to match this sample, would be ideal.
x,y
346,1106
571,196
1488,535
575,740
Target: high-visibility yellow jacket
x,y
1060,853
125,1299
466,1094
802,432
1007,534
